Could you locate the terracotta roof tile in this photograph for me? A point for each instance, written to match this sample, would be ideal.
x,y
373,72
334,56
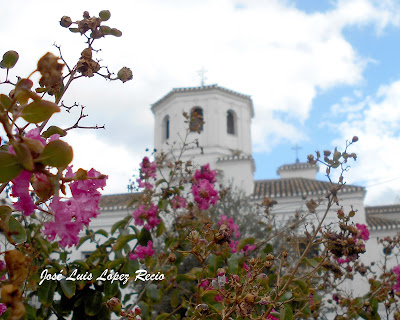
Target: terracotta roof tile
x,y
292,187
383,217
117,201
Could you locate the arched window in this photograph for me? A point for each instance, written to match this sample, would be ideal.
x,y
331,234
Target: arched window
x,y
165,128
196,119
230,122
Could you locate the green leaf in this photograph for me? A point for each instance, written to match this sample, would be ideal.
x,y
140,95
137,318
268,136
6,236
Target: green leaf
x,y
130,267
83,240
153,293
115,32
268,248
39,111
10,58
68,288
244,242
118,225
9,167
160,228
104,15
303,285
17,231
175,298
286,312
102,232
185,277
30,312
5,101
144,237
145,309
122,241
162,316
54,130
110,289
233,263
93,302
208,297
163,204
56,153
46,292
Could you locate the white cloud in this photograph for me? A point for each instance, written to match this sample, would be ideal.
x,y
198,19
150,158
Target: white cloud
x,y
375,121
115,160
269,49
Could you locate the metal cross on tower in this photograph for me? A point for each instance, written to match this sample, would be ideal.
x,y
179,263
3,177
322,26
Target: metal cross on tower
x,y
202,75
296,148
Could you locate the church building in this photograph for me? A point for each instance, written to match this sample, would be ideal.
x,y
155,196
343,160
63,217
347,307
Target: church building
x,y
225,141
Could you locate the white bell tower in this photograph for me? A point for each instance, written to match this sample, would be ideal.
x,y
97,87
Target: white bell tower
x,y
225,136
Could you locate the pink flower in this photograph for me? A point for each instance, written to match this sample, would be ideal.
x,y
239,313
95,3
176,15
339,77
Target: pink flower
x,y
146,214
234,228
270,316
233,245
204,283
147,169
35,134
219,298
246,267
142,252
147,172
363,230
204,194
20,189
248,248
3,308
63,226
396,270
178,202
86,195
342,260
205,174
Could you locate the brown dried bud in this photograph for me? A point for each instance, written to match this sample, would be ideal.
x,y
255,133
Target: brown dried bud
x,y
284,254
269,257
114,304
10,294
250,298
86,15
16,266
125,74
172,257
268,264
86,54
355,139
65,22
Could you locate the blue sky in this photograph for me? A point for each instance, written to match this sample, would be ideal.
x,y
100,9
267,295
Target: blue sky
x,y
318,72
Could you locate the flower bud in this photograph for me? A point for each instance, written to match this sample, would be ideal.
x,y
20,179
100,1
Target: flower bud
x,y
355,139
104,15
65,21
220,272
125,74
115,305
250,298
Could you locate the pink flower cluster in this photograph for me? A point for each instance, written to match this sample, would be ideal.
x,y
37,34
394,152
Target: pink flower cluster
x,y
233,227
70,215
20,189
3,308
396,270
363,230
270,316
146,214
141,252
203,187
21,183
147,172
178,202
